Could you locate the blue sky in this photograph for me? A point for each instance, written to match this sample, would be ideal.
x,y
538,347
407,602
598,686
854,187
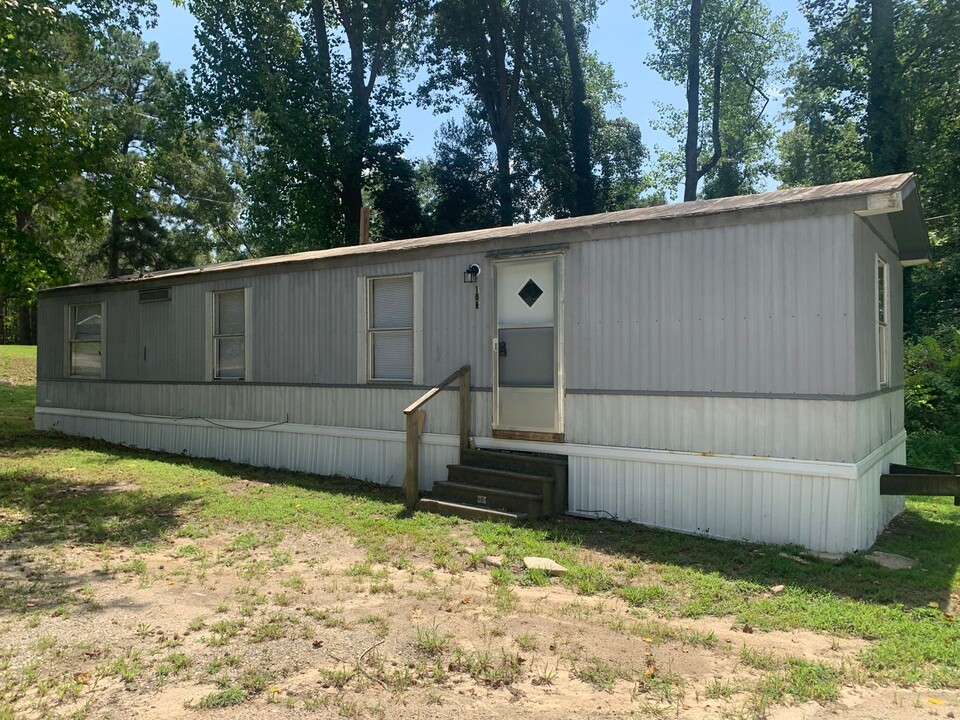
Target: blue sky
x,y
617,37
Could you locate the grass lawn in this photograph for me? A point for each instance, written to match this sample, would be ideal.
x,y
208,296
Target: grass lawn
x,y
70,506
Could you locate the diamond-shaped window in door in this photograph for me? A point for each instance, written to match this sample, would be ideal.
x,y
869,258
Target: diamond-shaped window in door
x,y
530,292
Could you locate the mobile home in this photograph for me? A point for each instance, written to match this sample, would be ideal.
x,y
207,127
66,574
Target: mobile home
x,y
729,367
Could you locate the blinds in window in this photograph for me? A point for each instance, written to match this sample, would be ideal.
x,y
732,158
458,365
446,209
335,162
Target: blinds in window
x,y
391,328
230,313
392,303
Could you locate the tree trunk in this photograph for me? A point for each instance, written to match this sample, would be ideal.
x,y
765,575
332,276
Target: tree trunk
x,y
584,202
888,153
113,245
351,170
27,325
504,184
692,147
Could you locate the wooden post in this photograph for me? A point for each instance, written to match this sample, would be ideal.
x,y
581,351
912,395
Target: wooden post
x,y
411,478
956,471
465,410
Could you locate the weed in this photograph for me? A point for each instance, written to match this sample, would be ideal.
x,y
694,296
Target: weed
x,y
430,641
598,673
720,689
295,582
544,675
226,697
197,624
338,678
254,681
526,642
127,667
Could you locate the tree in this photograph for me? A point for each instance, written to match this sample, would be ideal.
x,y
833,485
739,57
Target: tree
x,y
459,185
47,139
880,93
550,150
160,179
314,87
478,47
726,53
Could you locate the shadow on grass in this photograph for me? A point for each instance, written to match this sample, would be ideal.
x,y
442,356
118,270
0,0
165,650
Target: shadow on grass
x,y
929,532
931,538
30,443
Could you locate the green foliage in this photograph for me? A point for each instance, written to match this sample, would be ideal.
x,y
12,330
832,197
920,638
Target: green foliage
x,y
743,50
97,127
309,91
932,399
535,140
932,383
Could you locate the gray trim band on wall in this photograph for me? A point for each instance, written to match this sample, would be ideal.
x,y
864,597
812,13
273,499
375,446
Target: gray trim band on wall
x,y
478,388
720,394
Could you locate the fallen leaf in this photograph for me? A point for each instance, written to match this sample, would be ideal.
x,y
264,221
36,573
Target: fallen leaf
x,y
935,701
950,616
647,640
82,678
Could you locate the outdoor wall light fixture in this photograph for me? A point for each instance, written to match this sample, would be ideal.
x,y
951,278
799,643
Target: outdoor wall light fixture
x,y
470,277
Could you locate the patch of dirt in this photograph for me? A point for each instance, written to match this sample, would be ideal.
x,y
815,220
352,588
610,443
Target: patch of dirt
x,y
304,626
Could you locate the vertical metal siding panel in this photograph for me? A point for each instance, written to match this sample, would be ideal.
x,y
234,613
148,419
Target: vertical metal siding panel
x,y
50,337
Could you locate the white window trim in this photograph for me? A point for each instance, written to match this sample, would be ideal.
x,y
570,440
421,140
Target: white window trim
x,y
364,336
211,361
882,330
68,340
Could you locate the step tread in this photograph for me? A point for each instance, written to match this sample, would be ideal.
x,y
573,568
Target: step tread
x,y
486,490
500,455
460,509
506,474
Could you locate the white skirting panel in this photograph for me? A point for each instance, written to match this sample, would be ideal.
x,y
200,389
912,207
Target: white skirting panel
x,y
375,455
837,510
821,505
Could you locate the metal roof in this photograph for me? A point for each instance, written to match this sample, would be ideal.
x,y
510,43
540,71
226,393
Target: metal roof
x,y
903,182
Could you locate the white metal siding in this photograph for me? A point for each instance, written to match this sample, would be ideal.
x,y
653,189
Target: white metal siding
x,y
764,307
758,307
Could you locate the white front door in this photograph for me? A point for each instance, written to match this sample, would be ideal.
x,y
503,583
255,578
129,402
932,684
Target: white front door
x,y
527,385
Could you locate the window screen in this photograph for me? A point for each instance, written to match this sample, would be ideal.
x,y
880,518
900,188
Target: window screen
x,y
390,328
883,324
229,335
86,340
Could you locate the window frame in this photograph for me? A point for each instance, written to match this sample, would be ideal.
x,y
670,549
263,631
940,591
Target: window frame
x,y
881,310
213,337
366,333
71,341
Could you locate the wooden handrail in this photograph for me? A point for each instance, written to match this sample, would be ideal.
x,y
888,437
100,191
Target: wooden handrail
x,y
432,392
416,419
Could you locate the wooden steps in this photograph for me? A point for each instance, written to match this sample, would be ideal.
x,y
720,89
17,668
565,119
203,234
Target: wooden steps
x,y
505,486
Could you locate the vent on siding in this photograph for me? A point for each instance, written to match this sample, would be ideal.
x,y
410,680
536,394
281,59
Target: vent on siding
x,y
155,295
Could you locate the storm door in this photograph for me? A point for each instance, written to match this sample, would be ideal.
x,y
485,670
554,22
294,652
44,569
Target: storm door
x,y
527,384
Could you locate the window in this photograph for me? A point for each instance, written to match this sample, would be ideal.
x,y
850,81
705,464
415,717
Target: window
x,y
883,323
86,340
230,335
389,329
